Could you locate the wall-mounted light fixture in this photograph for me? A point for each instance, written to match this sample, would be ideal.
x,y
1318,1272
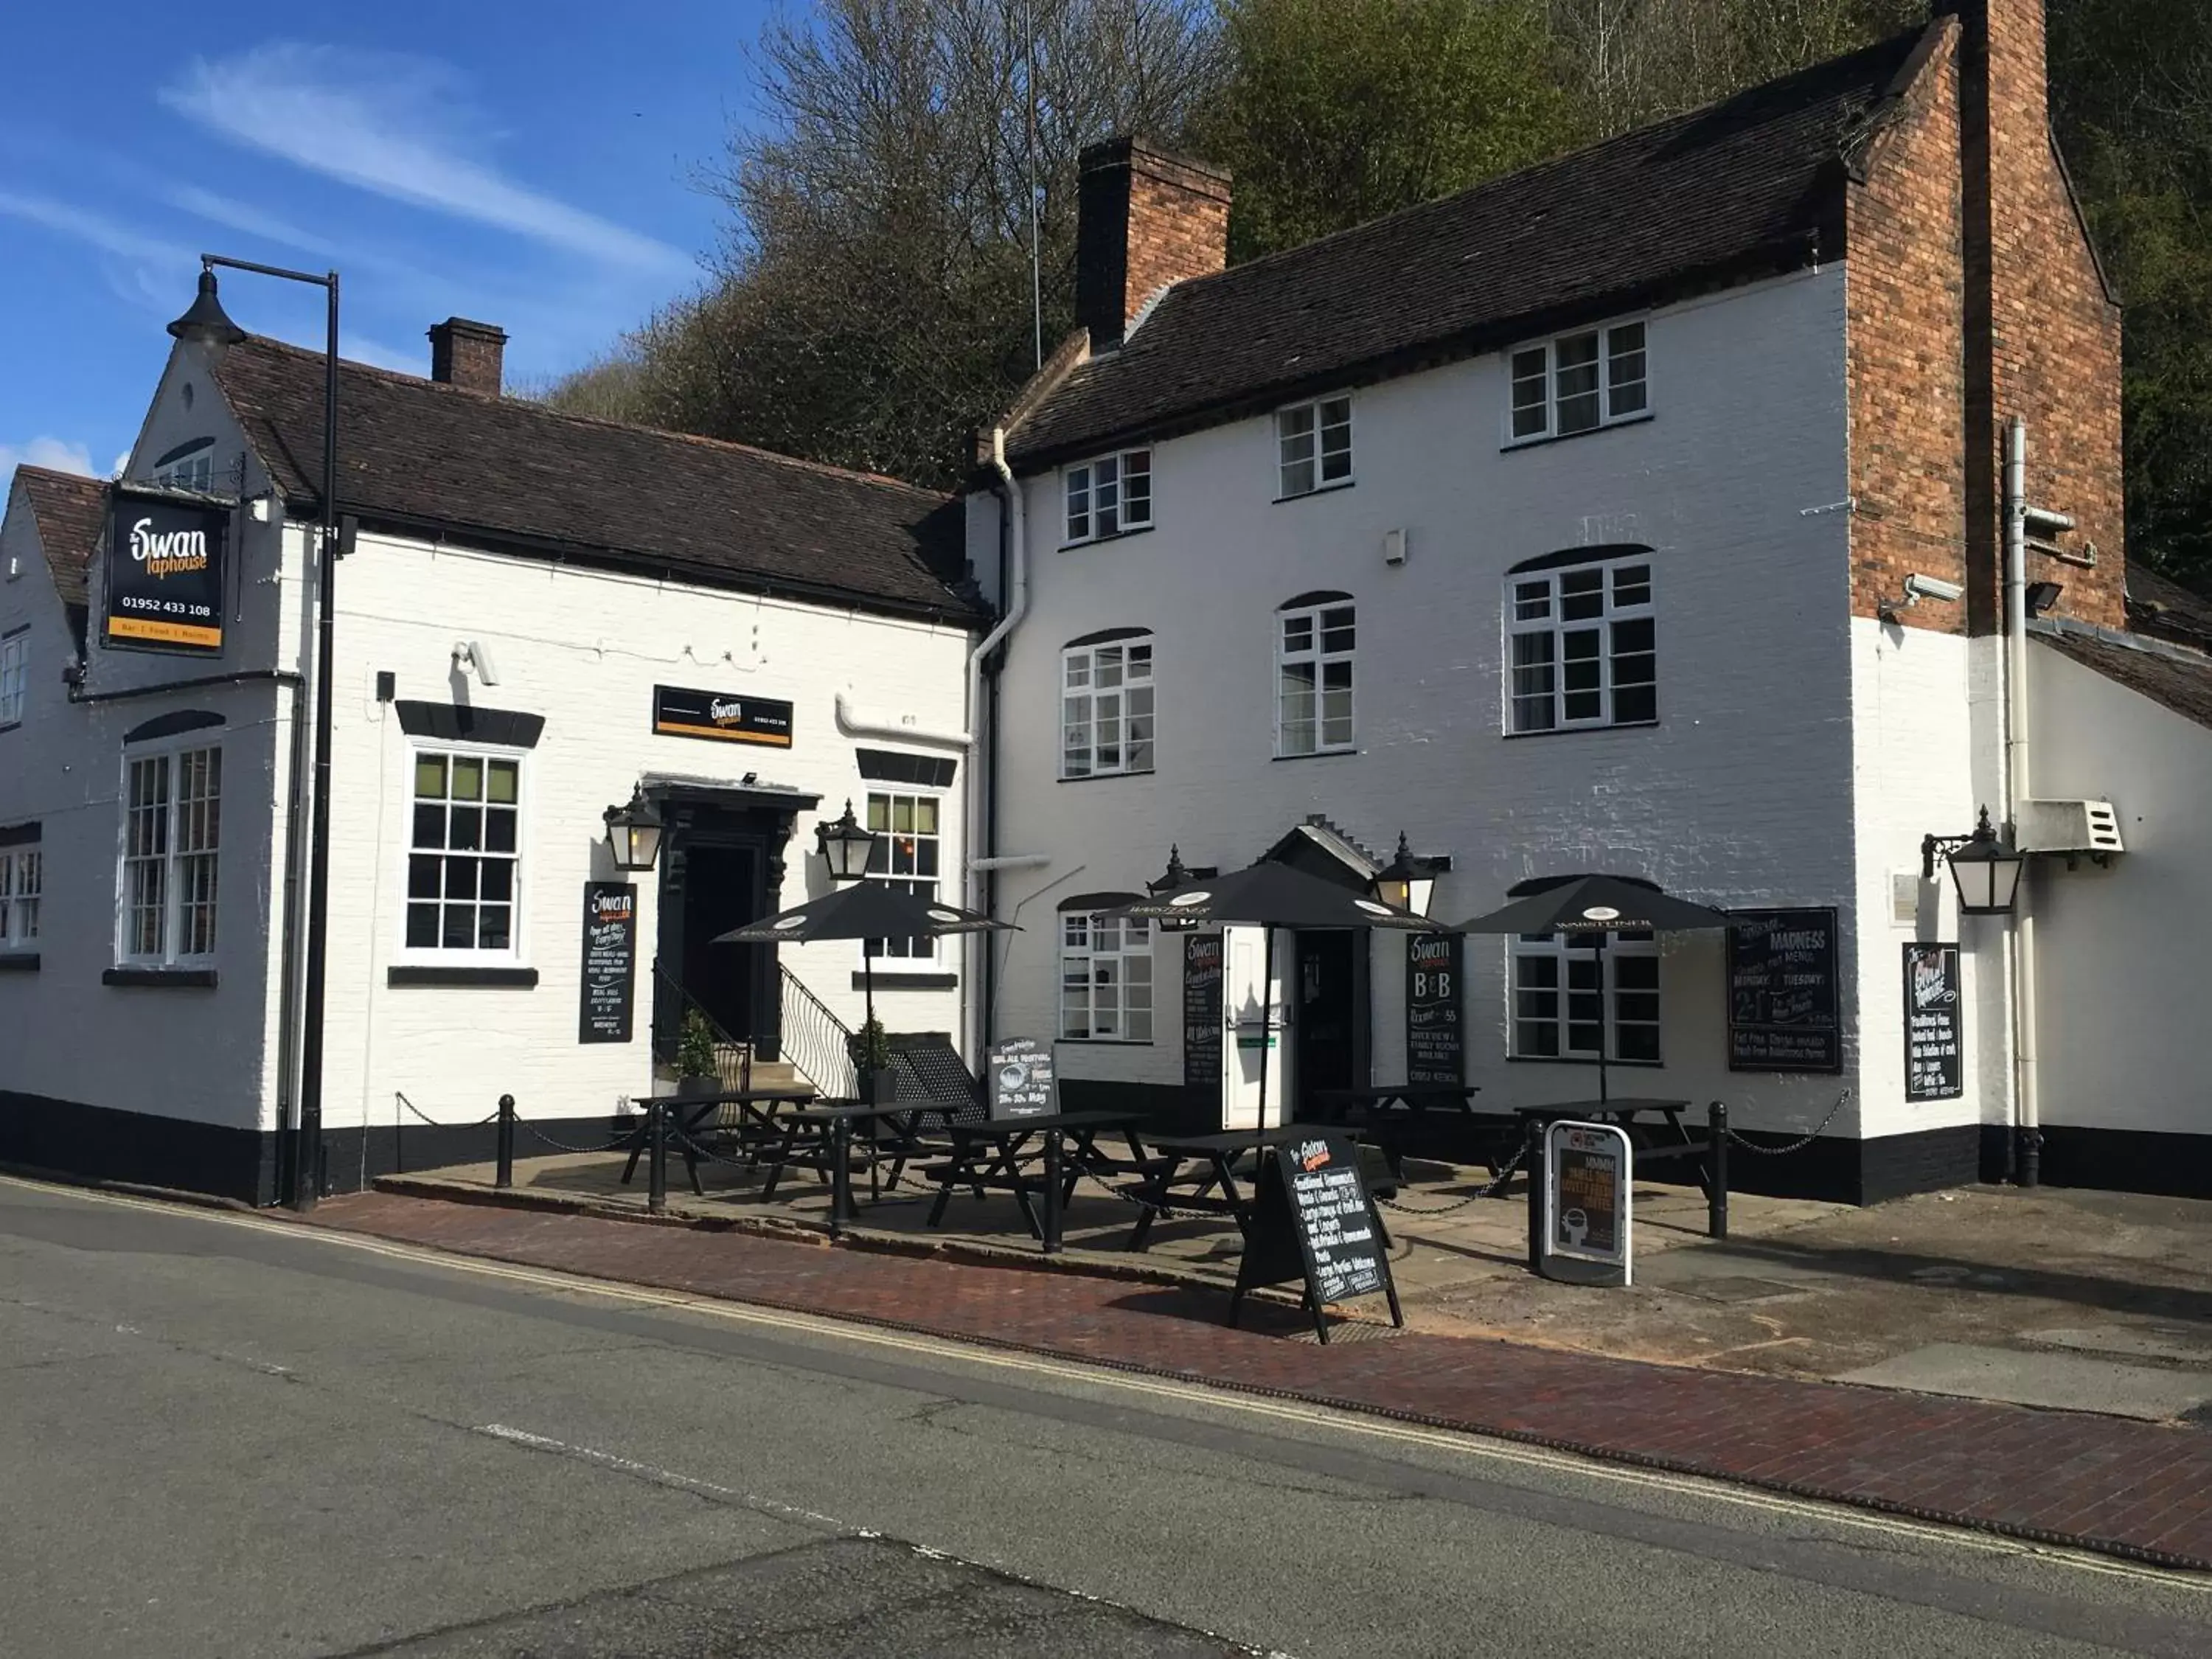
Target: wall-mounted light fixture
x,y
845,847
1984,869
2041,597
633,832
1409,880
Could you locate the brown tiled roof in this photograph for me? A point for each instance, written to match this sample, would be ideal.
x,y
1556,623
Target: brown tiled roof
x,y
2167,679
71,513
1750,186
2161,607
416,452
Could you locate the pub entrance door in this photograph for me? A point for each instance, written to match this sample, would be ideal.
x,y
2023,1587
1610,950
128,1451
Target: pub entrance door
x,y
1330,1027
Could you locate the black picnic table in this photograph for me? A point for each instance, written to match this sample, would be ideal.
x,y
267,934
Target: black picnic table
x,y
756,1110
821,1136
1383,1112
1216,1191
1710,1153
1043,1155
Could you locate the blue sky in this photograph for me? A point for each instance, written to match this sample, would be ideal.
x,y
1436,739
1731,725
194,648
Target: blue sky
x,y
530,165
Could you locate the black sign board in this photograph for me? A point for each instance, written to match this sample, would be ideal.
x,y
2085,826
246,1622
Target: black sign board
x,y
1435,1049
1020,1078
1784,1012
1312,1220
1934,1046
163,578
610,962
720,717
1201,1021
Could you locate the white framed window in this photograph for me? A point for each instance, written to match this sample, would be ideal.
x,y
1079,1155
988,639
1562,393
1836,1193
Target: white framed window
x,y
1568,998
192,473
23,882
1109,495
1314,646
1582,647
464,856
1313,446
1106,709
1105,978
905,855
1579,382
14,674
172,833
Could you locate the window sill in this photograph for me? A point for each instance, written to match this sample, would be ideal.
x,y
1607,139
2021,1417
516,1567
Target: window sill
x,y
1320,754
1577,731
167,979
1100,541
1105,1042
1108,777
907,981
1569,437
520,979
1329,489
19,961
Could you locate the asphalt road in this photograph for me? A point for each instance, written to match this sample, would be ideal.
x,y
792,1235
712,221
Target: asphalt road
x,y
226,1436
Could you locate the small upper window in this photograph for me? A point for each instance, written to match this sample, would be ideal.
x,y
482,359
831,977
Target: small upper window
x,y
1313,443
195,472
1313,679
15,670
1109,495
1579,382
22,881
1582,647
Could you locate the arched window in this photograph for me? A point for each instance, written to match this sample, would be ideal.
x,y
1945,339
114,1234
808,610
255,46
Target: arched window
x,y
1581,637
1106,706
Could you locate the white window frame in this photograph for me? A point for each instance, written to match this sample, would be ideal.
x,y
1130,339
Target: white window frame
x,y
1130,703
515,954
1626,631
172,951
1316,655
1621,388
922,949
14,675
1625,956
1129,977
22,886
193,472
1316,436
1097,507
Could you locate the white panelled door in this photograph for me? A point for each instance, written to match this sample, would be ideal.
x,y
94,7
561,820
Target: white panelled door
x,y
1253,1034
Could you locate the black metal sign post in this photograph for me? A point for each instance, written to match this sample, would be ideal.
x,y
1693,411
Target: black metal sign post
x,y
1313,1220
1436,1049
609,977
163,576
1935,1046
1784,1012
680,711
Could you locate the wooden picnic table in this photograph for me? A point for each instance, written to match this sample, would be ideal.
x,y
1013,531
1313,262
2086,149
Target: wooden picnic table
x,y
1710,1167
756,1109
825,1133
1043,1156
1216,1191
1385,1112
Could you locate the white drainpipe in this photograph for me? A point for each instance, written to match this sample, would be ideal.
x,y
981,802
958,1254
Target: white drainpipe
x,y
984,857
2028,1108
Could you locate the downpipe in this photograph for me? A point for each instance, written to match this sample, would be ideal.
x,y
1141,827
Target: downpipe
x,y
982,833
2028,1115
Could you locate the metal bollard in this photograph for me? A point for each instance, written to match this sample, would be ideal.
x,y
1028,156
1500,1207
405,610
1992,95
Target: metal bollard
x,y
505,1178
656,1127
1052,1221
1533,1161
1717,1166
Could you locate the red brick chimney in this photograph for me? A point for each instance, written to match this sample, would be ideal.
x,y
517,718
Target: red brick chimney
x,y
471,355
1144,218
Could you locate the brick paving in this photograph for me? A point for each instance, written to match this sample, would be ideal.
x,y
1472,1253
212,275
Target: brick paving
x,y
2133,1489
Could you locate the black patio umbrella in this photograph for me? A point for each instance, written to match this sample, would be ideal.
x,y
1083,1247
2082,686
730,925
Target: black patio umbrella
x,y
1595,906
1269,895
866,910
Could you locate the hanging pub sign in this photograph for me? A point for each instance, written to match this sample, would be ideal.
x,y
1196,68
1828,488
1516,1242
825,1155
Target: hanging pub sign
x,y
1312,1220
1590,1170
1785,1014
610,962
1935,1049
1020,1076
1435,1050
1202,961
680,711
162,579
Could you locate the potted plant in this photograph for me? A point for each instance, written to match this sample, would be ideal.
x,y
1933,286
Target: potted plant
x,y
878,1083
698,1073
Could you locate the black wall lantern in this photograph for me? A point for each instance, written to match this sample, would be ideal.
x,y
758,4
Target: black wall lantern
x,y
845,847
633,832
1409,880
1984,869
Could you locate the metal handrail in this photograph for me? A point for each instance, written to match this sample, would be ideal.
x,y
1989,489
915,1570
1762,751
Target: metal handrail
x,y
734,1057
817,1044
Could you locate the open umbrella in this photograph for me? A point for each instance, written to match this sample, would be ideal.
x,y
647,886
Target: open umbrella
x,y
1270,895
1596,907
867,910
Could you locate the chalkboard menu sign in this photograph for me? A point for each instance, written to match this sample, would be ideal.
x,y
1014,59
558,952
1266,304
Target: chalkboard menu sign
x,y
1020,1078
1202,1020
162,580
1435,1047
1312,1220
1785,1014
610,962
1934,1063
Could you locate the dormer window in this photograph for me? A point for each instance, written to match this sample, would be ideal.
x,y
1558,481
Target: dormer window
x,y
1109,496
1312,444
188,466
1579,383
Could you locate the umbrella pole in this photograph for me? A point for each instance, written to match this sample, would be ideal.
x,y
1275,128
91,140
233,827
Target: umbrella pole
x,y
1604,1017
1266,1013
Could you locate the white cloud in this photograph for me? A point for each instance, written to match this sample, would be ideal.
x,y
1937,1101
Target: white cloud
x,y
103,233
242,216
53,453
392,124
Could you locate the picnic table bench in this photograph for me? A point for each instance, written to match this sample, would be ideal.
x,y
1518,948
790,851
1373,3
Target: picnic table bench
x,y
1042,1156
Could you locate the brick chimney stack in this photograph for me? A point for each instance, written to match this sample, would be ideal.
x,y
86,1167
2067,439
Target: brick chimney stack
x,y
1144,218
471,355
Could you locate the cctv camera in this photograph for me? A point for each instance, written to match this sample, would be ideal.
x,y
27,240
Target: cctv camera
x,y
1917,586
473,652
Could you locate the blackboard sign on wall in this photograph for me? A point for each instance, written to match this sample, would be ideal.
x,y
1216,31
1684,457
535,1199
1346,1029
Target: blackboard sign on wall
x,y
1935,1046
1312,1220
1435,1046
1784,1010
1020,1078
1201,1022
162,576
610,962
